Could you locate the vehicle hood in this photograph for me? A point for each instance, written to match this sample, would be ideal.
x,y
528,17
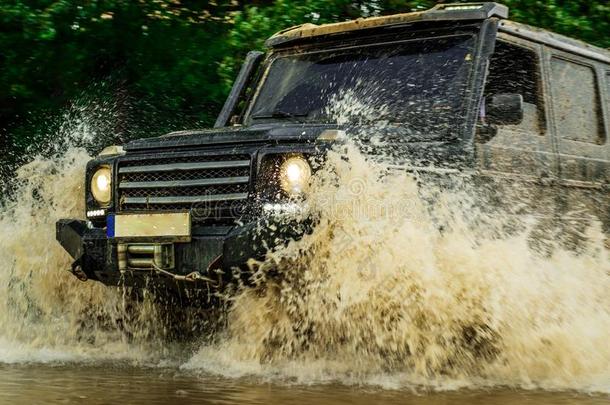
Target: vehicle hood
x,y
272,134
439,153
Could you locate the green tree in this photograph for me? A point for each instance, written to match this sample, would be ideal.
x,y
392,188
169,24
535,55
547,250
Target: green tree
x,y
157,60
159,65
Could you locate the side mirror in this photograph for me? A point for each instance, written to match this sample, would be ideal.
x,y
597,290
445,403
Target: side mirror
x,y
504,109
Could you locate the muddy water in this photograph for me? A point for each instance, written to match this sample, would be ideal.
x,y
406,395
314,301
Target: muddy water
x,y
108,383
400,289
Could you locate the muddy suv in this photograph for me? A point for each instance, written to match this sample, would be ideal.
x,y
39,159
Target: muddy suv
x,y
458,87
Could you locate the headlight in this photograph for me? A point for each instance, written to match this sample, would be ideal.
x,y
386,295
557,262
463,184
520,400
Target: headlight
x,y
101,185
295,174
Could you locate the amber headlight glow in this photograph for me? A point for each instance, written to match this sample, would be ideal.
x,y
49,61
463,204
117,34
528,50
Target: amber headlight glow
x,y
295,174
101,185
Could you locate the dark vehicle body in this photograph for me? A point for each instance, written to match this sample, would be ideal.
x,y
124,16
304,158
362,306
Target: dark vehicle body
x,y
508,103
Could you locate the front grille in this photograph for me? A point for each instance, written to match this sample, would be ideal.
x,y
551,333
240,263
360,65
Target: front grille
x,y
214,188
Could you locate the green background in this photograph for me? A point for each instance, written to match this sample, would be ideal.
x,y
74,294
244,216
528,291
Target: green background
x,y
118,69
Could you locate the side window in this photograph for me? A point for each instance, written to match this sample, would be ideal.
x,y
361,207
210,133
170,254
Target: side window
x,y
515,69
576,102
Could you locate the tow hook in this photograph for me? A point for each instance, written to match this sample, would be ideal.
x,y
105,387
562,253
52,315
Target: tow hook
x,y
77,271
191,277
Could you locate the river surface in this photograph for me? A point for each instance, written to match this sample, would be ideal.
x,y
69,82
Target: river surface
x,y
111,384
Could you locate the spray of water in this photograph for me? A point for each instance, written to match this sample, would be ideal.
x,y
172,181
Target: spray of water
x,y
402,283
406,283
381,293
45,313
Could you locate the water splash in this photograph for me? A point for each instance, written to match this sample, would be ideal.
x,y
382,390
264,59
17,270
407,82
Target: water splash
x,y
45,313
404,283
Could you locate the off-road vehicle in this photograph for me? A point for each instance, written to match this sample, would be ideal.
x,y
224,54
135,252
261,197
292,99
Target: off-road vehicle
x,y
459,87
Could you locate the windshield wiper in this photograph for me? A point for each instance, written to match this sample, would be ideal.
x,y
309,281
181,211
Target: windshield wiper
x,y
278,114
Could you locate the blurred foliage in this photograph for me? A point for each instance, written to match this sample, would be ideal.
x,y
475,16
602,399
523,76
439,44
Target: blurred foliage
x,y
167,64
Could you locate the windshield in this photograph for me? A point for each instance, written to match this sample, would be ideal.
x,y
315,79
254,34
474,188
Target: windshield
x,y
417,84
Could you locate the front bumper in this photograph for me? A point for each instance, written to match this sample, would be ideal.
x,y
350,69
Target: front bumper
x,y
214,252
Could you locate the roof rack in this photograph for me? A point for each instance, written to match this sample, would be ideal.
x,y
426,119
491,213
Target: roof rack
x,y
440,12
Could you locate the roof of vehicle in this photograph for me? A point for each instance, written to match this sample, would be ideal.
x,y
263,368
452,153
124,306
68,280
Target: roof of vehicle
x,y
555,40
442,12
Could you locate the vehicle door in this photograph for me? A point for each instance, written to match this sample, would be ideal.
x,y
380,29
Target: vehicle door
x,y
517,162
581,121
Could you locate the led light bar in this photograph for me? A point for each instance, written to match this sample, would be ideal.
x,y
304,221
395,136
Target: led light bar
x,y
464,7
96,213
464,11
283,208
